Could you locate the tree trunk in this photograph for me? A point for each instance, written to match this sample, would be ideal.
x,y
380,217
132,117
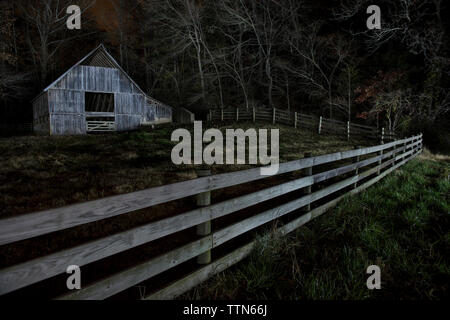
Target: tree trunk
x,y
269,76
200,71
349,92
44,64
329,102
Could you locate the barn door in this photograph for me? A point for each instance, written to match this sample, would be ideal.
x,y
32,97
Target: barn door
x,y
99,108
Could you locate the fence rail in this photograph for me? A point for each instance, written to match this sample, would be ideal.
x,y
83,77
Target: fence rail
x,y
362,168
300,120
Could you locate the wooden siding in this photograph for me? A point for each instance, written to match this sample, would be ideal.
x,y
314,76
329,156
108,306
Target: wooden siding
x,y
126,86
97,79
66,101
127,122
156,113
163,112
149,113
131,104
67,124
87,78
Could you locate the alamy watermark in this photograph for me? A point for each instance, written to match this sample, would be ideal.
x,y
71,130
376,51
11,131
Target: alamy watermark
x,y
74,280
74,21
216,152
374,281
374,21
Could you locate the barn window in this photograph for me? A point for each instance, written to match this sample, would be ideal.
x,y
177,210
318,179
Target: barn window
x,y
99,102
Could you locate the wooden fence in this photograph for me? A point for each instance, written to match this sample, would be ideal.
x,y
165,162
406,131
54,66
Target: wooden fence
x,y
300,120
352,171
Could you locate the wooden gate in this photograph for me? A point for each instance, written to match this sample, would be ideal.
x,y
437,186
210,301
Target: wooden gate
x,y
100,126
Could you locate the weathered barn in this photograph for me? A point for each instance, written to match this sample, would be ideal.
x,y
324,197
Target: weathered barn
x,y
95,94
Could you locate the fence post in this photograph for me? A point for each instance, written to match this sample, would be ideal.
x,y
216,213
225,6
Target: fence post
x,y
308,172
356,170
237,114
273,116
405,146
348,130
421,141
393,155
295,120
221,114
380,153
254,115
411,142
203,229
408,145
320,124
418,145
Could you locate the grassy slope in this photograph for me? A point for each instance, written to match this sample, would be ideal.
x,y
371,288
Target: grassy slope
x,y
401,223
38,173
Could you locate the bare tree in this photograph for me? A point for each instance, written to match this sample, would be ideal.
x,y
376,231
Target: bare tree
x,y
122,10
232,65
396,104
322,57
236,63
12,84
47,30
12,81
419,27
265,21
183,20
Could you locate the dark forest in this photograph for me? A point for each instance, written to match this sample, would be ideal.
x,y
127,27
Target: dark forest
x,y
315,57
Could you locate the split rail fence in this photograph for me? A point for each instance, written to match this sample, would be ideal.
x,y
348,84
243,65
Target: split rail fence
x,y
300,120
354,170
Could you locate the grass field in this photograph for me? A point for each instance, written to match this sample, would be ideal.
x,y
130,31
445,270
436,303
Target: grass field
x,y
401,224
402,220
39,172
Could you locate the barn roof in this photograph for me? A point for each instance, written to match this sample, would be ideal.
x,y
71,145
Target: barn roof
x,y
99,57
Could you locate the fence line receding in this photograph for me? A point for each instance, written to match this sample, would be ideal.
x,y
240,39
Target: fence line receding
x,y
351,171
300,120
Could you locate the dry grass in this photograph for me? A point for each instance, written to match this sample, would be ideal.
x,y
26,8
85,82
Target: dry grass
x,y
427,155
38,172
